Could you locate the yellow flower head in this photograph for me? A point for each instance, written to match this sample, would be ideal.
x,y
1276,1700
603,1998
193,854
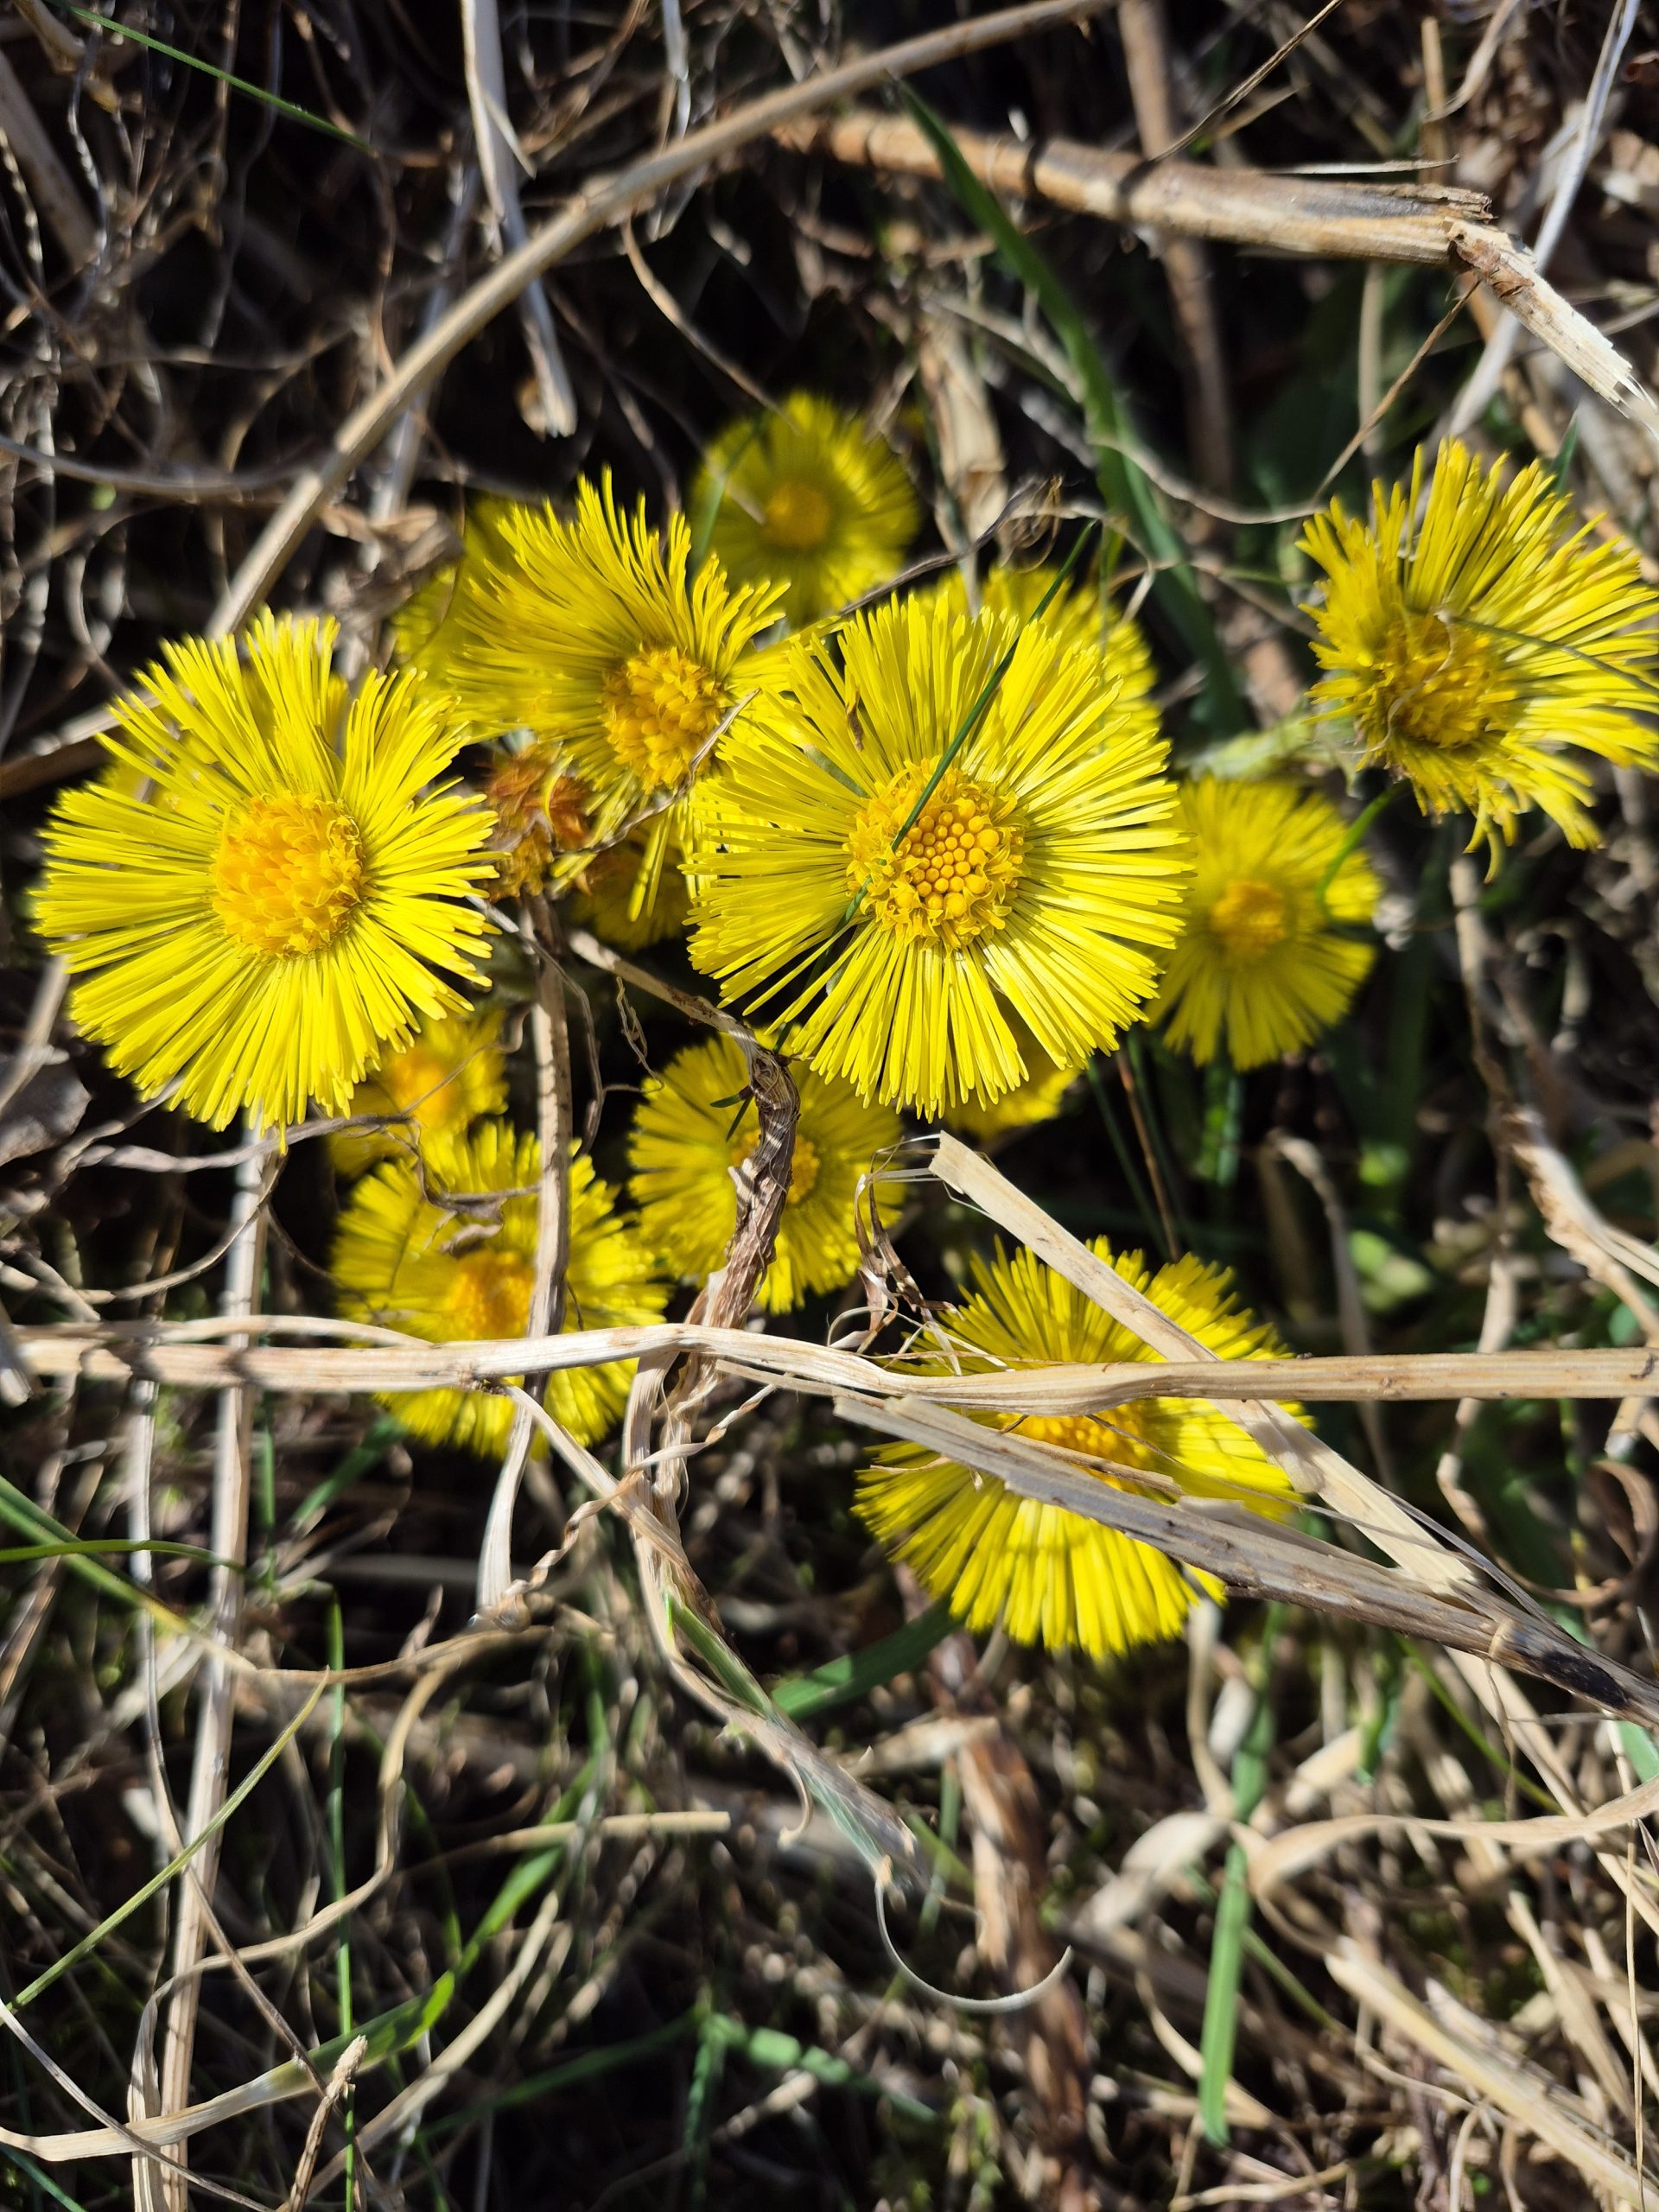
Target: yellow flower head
x,y
447,1272
694,1127
259,895
538,813
1075,617
1038,1098
1040,876
808,499
450,1073
592,635
1051,1576
420,627
1471,648
611,901
1261,967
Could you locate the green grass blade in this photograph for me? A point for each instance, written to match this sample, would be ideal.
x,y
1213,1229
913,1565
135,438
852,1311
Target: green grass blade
x,y
838,1680
243,1789
1220,2034
1125,486
222,76
21,1512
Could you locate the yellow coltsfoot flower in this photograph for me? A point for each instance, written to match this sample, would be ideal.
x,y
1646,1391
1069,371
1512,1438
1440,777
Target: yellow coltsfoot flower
x,y
420,627
1262,966
451,1073
890,912
410,1253
810,500
262,894
694,1127
1472,649
1038,1098
1050,1576
592,635
1075,616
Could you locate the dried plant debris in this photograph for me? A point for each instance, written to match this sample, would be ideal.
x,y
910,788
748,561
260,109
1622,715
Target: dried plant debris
x,y
829,1101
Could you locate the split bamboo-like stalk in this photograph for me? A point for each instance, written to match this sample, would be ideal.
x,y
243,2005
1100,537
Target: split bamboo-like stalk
x,y
1336,218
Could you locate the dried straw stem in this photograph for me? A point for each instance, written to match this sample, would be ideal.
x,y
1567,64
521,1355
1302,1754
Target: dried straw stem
x,y
1336,217
181,1354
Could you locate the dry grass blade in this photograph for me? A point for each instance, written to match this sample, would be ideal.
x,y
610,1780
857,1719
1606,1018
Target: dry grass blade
x,y
1525,2099
1258,1560
182,1354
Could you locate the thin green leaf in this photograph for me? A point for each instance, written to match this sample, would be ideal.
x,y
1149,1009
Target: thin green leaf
x,y
243,1789
222,76
802,1696
1233,1909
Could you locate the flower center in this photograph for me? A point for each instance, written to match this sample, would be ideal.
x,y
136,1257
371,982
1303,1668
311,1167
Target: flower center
x,y
289,873
490,1294
798,517
1435,683
955,873
803,1166
1122,1439
660,710
1248,920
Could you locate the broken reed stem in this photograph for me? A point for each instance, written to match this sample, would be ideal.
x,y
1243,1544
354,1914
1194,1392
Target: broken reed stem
x,y
1341,218
1331,218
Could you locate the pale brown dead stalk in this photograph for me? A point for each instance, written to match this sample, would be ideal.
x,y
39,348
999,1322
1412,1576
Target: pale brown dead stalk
x,y
210,1772
1326,218
1336,218
608,201
550,1038
1144,31
182,1354
1312,1466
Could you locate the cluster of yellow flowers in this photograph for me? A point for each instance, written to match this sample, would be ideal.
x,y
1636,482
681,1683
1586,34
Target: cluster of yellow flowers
x,y
931,847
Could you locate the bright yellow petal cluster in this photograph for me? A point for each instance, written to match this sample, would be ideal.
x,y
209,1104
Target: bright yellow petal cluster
x,y
450,1074
263,895
808,498
1040,877
1038,1098
1075,616
1266,959
1052,1577
694,1128
420,627
594,636
1472,646
410,1253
